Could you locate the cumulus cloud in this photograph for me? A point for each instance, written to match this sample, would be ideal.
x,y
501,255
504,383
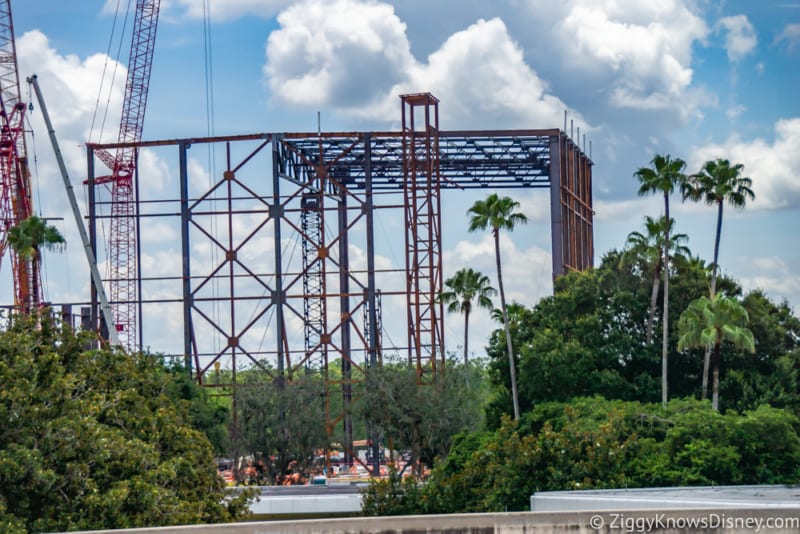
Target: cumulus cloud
x,y
639,54
355,56
789,37
631,210
740,36
773,166
70,86
481,72
339,53
773,275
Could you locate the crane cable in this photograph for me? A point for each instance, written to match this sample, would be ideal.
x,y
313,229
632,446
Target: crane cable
x,y
110,91
105,69
208,73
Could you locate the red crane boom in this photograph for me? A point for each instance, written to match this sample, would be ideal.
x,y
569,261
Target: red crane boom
x,y
16,203
122,242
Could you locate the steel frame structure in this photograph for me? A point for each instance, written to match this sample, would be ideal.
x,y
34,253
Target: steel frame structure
x,y
324,189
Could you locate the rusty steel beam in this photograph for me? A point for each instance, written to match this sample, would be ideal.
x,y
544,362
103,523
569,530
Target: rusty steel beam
x,y
263,195
423,219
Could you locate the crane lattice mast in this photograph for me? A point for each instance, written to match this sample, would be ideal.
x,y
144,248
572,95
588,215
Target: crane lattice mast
x,y
16,203
123,264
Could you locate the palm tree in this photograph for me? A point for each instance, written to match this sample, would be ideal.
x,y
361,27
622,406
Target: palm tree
x,y
498,214
663,176
649,247
27,238
514,310
718,182
708,322
465,286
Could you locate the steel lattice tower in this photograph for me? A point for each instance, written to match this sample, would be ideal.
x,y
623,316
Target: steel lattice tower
x,y
16,203
423,218
123,256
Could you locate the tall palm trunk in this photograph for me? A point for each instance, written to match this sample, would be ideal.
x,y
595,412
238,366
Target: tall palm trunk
x,y
466,336
511,365
665,335
653,301
717,237
715,386
466,344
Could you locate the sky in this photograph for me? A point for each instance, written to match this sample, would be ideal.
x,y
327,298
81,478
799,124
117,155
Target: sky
x,y
696,79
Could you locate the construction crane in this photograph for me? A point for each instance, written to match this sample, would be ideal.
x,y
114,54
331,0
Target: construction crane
x,y
16,203
73,202
123,263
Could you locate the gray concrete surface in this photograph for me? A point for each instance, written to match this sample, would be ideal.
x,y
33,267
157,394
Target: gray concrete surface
x,y
752,496
710,520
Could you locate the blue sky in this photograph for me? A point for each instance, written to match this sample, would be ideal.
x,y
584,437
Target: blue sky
x,y
697,79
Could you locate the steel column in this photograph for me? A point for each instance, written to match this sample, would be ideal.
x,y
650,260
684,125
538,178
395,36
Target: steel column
x,y
186,270
276,214
422,189
344,308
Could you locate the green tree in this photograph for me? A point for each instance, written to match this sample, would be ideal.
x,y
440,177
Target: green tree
x,y
588,338
464,287
419,418
92,440
649,248
281,424
663,176
771,374
27,238
395,495
710,323
498,214
718,182
591,442
205,413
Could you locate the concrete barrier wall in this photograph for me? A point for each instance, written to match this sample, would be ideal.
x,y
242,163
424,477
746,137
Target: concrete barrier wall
x,y
719,520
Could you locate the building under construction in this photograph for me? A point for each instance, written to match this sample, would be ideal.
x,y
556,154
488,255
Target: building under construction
x,y
246,301
264,256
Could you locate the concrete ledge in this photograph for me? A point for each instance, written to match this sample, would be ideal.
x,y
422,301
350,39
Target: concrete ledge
x,y
717,520
312,505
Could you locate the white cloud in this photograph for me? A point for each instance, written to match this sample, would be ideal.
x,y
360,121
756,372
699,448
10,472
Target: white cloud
x,y
774,167
790,36
638,53
632,209
342,53
740,38
482,76
772,275
355,56
70,86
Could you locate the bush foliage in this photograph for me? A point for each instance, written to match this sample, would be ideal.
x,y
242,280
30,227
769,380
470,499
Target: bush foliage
x,y
592,443
93,439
